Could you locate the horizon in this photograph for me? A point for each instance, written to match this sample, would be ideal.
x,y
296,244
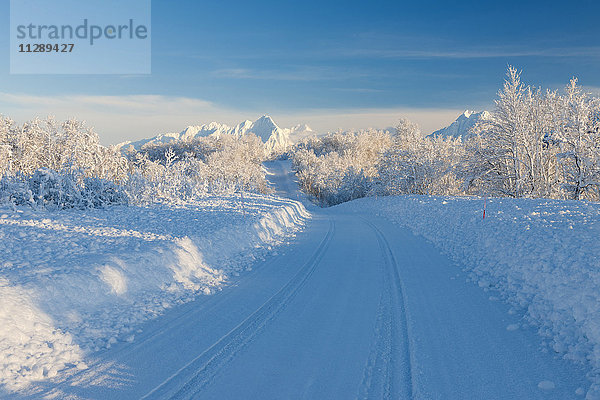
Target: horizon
x,y
339,65
284,127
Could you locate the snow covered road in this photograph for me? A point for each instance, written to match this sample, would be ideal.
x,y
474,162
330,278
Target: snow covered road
x,y
355,307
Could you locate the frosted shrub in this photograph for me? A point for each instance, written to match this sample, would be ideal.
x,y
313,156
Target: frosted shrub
x,y
15,190
101,193
54,165
186,169
420,165
343,167
340,167
53,190
48,144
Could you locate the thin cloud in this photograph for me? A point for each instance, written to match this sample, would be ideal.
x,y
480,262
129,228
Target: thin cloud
x,y
146,104
359,90
117,118
472,53
288,74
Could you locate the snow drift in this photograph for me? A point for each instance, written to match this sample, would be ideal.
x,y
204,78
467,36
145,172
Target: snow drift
x,y
542,256
72,283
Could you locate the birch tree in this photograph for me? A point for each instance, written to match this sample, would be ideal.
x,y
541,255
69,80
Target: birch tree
x,y
577,133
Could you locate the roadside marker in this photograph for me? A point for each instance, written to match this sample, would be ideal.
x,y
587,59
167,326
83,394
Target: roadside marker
x,y
484,201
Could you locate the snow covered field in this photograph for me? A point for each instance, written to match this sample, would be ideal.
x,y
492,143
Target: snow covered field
x,y
542,256
353,306
76,282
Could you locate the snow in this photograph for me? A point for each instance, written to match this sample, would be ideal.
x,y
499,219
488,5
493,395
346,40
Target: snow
x,y
73,283
31,347
275,138
355,306
539,255
462,126
301,131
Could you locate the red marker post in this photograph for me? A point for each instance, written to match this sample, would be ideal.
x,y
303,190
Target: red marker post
x,y
484,203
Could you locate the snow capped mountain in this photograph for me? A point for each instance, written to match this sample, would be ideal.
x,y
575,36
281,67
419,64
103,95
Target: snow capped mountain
x,y
193,131
463,124
274,137
264,128
300,132
243,127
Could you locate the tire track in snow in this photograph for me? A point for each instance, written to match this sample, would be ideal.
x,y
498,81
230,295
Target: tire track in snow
x,y
96,366
199,372
388,372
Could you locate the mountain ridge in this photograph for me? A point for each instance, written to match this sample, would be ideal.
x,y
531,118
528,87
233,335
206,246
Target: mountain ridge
x,y
275,138
461,127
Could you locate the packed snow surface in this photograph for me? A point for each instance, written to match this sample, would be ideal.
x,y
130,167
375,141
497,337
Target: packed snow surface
x,y
542,256
395,297
73,283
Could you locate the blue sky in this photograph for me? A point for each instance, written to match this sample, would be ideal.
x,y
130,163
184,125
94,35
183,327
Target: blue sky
x,y
331,64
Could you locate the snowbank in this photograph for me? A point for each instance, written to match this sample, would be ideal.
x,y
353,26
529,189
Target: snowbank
x,y
75,282
543,256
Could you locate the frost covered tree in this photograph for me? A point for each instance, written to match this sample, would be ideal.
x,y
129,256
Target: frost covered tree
x,y
537,144
534,144
49,144
61,165
341,166
420,165
577,134
399,171
6,130
513,155
181,171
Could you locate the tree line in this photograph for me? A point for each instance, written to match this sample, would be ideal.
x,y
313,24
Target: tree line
x,y
56,165
534,144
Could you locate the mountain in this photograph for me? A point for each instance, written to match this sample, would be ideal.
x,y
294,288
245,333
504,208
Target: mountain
x,y
299,132
271,135
463,124
275,138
